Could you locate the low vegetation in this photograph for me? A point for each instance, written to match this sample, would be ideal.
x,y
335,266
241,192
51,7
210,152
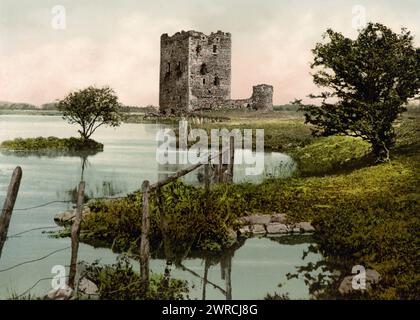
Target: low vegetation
x,y
195,222
120,282
50,143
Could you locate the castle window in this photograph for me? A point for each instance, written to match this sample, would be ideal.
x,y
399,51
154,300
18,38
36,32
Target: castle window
x,y
179,70
214,48
203,69
204,81
216,81
168,71
198,49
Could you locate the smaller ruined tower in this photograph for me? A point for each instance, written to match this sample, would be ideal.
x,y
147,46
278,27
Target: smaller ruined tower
x,y
262,97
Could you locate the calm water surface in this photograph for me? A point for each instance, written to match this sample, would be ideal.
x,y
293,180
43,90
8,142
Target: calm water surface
x,y
258,266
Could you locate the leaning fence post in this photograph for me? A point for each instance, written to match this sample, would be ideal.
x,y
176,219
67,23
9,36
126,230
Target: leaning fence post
x,y
75,232
144,244
8,205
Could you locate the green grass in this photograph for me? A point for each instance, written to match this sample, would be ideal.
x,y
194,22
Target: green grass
x,y
50,143
331,155
120,282
279,134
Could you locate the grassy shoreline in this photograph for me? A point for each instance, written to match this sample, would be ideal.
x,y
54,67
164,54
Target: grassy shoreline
x,y
49,144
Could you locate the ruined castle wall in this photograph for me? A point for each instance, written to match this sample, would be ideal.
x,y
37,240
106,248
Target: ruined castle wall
x,y
210,68
239,104
174,66
261,99
209,103
219,103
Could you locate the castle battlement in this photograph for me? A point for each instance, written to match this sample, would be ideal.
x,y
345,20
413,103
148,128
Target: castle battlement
x,y
192,33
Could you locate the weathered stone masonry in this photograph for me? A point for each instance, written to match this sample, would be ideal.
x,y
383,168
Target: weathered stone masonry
x,y
195,74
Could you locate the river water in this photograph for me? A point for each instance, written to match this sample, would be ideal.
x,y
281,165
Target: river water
x,y
258,266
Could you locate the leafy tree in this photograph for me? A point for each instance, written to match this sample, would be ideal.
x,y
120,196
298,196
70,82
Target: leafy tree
x,y
91,108
367,83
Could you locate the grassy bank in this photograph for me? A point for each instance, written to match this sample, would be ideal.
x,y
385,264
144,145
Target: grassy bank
x,y
40,144
363,213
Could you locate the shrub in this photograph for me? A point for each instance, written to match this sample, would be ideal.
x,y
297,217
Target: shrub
x,y
120,282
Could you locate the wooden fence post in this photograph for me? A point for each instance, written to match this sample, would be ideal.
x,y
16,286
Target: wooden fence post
x,y
207,177
220,167
144,244
8,205
75,232
232,159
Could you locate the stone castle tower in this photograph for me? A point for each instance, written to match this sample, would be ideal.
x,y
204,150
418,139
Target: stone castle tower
x,y
195,73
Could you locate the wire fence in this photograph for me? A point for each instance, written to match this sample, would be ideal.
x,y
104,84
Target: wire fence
x,y
42,205
32,229
34,260
35,284
12,195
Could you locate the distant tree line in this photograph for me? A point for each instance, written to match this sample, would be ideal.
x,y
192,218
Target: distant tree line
x,y
54,106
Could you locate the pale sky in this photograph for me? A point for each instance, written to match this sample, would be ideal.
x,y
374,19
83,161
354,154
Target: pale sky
x,y
116,43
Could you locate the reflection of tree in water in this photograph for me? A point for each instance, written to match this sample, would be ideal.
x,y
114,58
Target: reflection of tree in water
x,y
293,239
318,276
104,189
321,277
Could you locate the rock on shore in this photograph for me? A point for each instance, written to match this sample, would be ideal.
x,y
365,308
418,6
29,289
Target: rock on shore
x,y
266,224
346,286
67,217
